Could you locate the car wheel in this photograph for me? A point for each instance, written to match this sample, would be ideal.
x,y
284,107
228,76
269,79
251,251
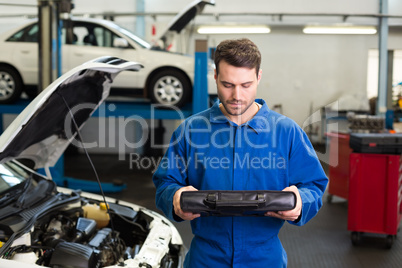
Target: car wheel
x,y
170,88
10,85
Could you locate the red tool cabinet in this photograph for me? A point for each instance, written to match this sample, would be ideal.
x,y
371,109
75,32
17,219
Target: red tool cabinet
x,y
375,195
339,152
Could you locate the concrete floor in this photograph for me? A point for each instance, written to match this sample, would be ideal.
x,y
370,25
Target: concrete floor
x,y
323,242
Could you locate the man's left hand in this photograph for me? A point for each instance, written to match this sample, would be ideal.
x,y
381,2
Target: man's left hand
x,y
289,215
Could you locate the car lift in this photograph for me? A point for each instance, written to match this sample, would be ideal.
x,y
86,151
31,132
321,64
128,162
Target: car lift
x,y
127,109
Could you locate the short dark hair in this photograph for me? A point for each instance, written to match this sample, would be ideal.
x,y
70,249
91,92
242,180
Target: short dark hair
x,y
238,52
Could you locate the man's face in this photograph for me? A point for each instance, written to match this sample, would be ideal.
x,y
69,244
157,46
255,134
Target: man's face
x,y
237,88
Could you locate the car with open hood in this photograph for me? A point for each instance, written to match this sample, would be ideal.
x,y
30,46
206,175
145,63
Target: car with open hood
x,y
167,77
45,225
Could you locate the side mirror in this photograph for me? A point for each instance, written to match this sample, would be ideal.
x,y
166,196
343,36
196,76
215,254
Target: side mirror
x,y
120,42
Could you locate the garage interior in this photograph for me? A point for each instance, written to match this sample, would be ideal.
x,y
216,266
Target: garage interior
x,y
332,85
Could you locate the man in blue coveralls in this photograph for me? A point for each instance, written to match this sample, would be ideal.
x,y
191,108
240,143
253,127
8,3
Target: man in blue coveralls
x,y
239,144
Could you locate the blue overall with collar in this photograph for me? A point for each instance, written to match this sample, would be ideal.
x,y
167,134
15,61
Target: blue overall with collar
x,y
269,152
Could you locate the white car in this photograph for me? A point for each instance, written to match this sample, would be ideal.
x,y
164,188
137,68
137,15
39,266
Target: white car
x,y
44,225
167,78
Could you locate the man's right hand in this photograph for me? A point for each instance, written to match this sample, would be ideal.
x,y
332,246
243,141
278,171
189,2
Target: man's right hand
x,y
176,204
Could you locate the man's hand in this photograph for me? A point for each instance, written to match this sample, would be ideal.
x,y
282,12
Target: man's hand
x,y
176,204
289,215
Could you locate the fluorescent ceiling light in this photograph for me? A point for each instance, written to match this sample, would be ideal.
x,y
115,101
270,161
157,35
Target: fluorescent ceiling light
x,y
340,30
235,29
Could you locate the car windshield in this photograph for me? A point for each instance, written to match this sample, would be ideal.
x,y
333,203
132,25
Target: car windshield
x,y
30,33
11,175
132,36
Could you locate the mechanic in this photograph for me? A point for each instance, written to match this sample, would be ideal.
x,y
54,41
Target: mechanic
x,y
239,144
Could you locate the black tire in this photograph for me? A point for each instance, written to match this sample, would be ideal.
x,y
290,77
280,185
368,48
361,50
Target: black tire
x,y
355,237
11,85
389,240
169,88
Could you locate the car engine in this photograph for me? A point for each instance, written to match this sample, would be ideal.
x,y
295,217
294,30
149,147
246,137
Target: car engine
x,y
78,232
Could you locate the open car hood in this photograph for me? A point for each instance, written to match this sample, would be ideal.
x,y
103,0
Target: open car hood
x,y
183,18
44,129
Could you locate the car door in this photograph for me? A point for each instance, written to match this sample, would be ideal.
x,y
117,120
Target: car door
x,y
23,47
91,40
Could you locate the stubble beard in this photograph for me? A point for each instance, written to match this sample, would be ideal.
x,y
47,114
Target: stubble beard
x,y
236,112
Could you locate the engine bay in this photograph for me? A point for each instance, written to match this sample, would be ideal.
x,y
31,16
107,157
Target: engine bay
x,y
56,229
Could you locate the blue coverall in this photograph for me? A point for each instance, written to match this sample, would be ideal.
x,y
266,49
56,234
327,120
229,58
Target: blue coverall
x,y
269,152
